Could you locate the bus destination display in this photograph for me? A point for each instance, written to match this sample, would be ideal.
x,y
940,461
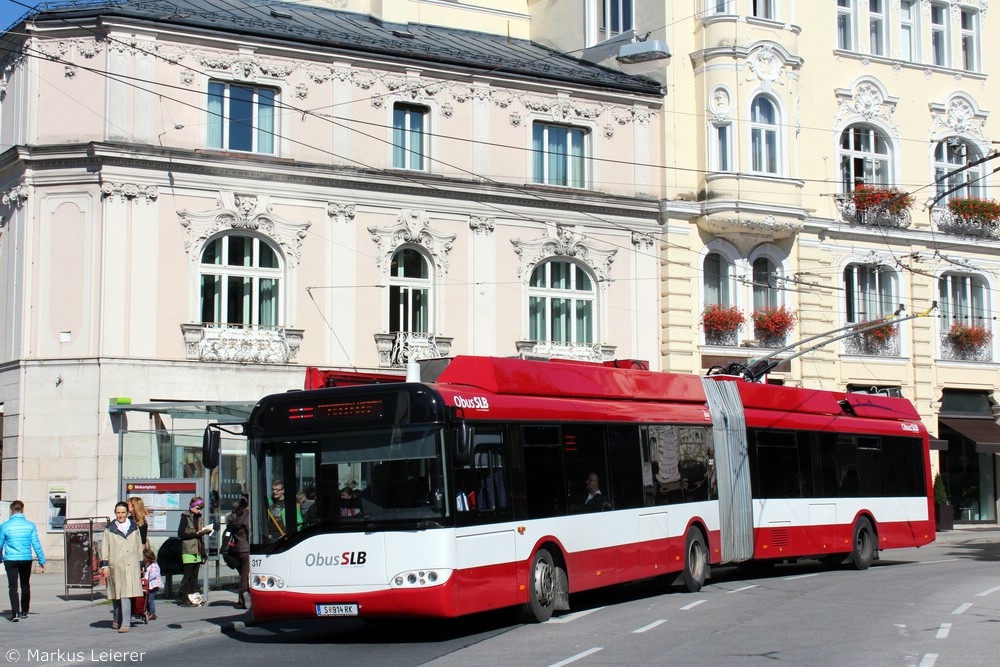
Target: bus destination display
x,y
370,408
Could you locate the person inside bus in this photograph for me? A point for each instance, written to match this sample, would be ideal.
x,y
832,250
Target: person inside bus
x,y
595,499
276,511
347,505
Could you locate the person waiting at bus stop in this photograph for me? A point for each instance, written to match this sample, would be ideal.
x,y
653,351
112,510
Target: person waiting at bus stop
x,y
121,555
190,532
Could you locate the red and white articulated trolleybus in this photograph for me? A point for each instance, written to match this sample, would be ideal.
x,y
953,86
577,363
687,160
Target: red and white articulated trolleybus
x,y
511,483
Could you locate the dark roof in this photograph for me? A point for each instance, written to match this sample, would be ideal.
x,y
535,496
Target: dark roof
x,y
349,31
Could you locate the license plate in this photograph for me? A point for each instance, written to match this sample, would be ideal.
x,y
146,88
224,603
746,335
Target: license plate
x,y
336,610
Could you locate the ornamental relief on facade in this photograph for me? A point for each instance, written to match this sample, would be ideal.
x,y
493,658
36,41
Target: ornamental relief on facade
x,y
243,212
960,115
869,101
413,228
246,65
566,242
125,192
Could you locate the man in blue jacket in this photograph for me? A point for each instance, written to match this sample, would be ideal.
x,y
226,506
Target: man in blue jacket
x,y
18,537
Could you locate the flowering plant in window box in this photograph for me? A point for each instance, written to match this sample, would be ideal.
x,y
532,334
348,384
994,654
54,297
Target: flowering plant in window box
x,y
866,198
975,210
721,324
771,325
877,339
967,338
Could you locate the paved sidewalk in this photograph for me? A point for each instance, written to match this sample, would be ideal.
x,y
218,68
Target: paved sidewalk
x,y
63,629
75,625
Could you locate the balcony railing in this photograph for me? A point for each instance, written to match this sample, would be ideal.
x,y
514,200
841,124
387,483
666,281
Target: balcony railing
x,y
866,344
871,217
947,222
953,350
723,338
241,344
564,350
397,348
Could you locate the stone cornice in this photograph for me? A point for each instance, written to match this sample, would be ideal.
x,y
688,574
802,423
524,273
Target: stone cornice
x,y
94,157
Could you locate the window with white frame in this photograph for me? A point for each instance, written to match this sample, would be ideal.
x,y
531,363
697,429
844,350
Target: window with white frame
x,y
909,30
719,7
762,9
765,284
617,16
718,277
240,282
951,155
870,292
964,297
561,303
877,26
241,117
763,136
560,155
410,286
409,136
721,146
864,158
970,40
940,34
845,24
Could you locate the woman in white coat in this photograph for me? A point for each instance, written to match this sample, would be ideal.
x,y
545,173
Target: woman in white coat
x,y
121,553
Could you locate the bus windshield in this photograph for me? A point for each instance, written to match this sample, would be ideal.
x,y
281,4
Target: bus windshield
x,y
347,479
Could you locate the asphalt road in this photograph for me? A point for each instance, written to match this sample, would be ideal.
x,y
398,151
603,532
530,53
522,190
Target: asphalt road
x,y
935,606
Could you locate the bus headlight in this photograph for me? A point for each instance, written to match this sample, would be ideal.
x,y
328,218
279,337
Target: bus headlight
x,y
266,582
419,578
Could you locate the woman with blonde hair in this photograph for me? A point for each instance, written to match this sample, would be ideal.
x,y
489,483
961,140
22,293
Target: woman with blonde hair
x,y
137,508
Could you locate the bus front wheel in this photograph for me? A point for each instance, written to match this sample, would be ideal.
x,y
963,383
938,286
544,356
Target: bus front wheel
x,y
864,545
541,588
695,561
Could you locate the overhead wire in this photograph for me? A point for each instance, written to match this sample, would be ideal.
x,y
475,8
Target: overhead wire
x,y
293,109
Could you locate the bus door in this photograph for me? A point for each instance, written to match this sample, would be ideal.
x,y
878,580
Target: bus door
x,y
485,536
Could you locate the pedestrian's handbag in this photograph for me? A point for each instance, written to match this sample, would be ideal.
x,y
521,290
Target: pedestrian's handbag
x,y
227,549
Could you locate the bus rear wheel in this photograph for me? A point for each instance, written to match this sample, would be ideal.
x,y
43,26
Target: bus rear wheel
x,y
864,545
695,561
541,588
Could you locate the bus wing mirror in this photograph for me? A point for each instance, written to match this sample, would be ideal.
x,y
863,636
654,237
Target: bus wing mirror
x,y
463,444
211,448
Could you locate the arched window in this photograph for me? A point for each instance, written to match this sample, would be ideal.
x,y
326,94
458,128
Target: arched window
x,y
410,292
240,282
763,136
870,292
954,154
561,303
965,298
765,284
718,279
864,158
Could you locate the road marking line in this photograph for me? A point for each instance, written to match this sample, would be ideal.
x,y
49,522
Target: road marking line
x,y
692,605
988,591
575,615
649,627
578,656
943,631
745,588
962,608
803,576
928,660
931,562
